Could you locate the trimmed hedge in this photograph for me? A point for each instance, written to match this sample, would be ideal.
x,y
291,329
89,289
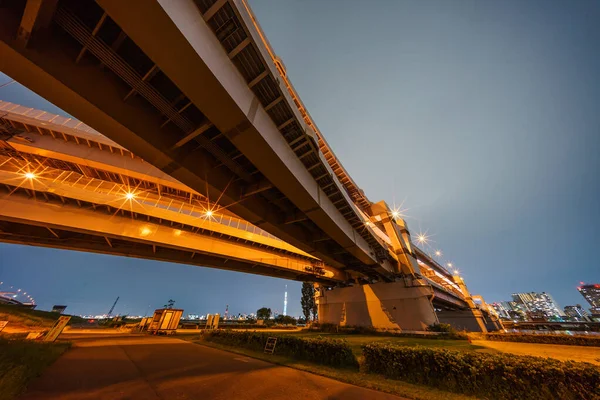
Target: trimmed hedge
x,y
491,376
364,330
332,352
578,340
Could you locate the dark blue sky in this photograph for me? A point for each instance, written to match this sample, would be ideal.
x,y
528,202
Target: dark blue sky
x,y
483,116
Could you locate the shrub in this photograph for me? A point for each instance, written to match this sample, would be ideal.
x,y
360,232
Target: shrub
x,y
319,350
251,326
451,334
447,331
578,340
447,328
327,328
492,376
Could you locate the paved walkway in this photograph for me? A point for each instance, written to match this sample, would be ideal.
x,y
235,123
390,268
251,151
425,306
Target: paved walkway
x,y
589,354
151,368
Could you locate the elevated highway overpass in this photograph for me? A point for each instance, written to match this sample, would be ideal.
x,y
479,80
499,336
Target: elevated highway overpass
x,y
195,110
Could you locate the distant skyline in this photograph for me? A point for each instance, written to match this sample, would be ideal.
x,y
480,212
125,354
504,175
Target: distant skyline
x,y
481,117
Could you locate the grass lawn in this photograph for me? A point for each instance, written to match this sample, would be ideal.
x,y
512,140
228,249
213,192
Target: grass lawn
x,y
371,381
357,341
23,360
25,317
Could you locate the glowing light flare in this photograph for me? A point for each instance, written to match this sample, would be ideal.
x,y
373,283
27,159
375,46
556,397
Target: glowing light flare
x,y
130,196
422,238
145,231
29,175
449,265
456,272
210,211
438,253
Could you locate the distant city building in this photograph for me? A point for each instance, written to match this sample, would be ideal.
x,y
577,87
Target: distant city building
x,y
538,305
501,310
59,309
591,293
576,312
511,310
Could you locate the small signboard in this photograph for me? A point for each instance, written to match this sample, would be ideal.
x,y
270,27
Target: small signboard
x,y
34,335
270,345
144,323
212,321
58,327
2,325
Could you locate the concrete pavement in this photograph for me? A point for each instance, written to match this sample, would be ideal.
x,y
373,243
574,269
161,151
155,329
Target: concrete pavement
x,y
152,368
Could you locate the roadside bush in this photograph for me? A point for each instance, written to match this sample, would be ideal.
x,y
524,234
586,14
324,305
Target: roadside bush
x,y
492,376
319,350
326,328
251,326
444,334
447,328
436,335
447,331
578,340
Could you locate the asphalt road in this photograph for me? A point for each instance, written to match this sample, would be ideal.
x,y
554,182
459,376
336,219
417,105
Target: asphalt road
x,y
151,368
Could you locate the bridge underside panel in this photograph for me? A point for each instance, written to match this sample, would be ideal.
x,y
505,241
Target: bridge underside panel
x,y
29,221
226,99
201,100
166,115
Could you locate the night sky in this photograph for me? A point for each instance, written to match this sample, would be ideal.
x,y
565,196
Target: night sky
x,y
482,117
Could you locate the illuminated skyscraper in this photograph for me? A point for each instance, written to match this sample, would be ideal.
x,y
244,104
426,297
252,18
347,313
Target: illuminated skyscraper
x,y
539,304
501,310
576,312
591,293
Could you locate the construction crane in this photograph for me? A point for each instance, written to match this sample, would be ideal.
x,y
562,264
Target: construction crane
x,y
113,307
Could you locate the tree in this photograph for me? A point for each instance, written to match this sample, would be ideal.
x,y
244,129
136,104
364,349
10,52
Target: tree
x,y
308,299
169,304
263,313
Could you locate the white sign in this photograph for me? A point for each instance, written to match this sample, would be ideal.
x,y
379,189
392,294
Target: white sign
x,y
57,329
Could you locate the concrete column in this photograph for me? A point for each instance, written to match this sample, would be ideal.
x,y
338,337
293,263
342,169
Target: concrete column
x,y
464,320
382,305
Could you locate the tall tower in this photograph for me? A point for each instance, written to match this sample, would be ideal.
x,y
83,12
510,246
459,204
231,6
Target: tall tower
x,y
591,293
285,302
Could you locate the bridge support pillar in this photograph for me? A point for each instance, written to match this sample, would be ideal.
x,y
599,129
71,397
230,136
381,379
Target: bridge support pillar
x,y
395,305
471,320
493,324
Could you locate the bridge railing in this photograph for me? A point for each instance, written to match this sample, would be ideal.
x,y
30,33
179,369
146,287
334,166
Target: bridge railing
x,y
50,119
51,176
